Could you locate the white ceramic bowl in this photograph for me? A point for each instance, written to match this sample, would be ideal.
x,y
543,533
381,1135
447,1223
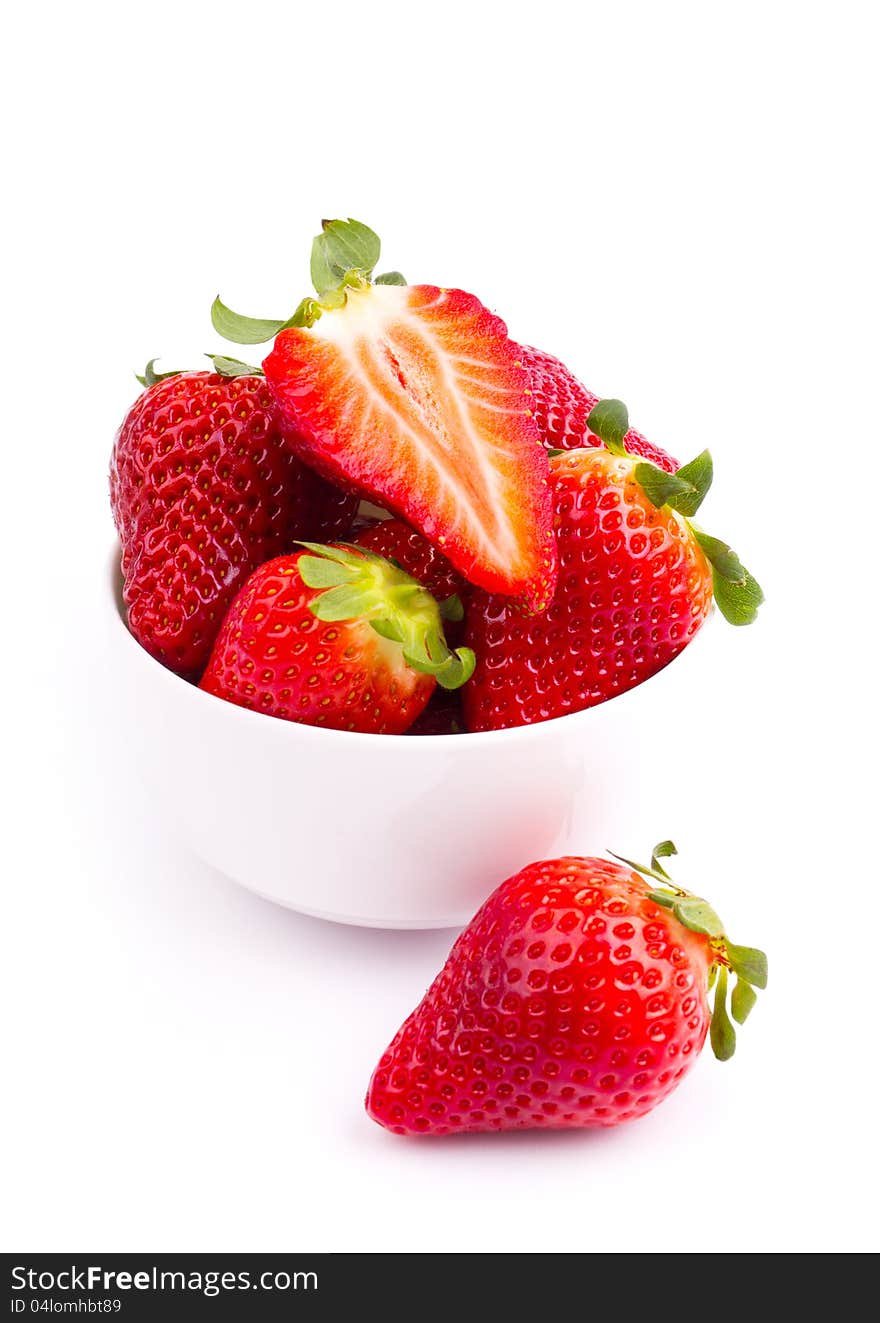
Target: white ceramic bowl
x,y
394,831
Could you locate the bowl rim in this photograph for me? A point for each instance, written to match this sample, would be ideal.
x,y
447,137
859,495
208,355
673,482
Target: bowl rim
x,y
535,730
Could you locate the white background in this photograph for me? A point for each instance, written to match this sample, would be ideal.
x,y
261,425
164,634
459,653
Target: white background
x,y
677,198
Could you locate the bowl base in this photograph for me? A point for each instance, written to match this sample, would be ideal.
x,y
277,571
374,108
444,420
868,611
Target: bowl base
x,y
353,920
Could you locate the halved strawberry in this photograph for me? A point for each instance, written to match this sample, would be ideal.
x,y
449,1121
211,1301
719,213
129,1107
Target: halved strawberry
x,y
415,396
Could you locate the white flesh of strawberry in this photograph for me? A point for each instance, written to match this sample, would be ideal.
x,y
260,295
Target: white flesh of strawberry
x,y
371,335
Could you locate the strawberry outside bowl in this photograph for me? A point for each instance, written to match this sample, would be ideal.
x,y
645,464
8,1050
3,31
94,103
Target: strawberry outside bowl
x,y
395,831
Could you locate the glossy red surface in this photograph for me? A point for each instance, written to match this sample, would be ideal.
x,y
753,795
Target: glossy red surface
x,y
633,589
570,1000
204,488
562,404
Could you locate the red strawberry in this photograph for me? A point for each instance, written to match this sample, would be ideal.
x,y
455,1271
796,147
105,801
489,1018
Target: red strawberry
x,y
562,405
395,540
577,996
203,488
636,582
334,636
415,396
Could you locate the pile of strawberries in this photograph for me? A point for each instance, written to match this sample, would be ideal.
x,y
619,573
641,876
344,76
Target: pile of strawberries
x,y
523,553
405,522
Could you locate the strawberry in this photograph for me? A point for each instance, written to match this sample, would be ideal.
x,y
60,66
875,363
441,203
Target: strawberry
x,y
334,636
395,540
577,996
415,397
637,580
561,406
203,488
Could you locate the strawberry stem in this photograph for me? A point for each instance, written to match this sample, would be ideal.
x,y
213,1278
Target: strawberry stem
x,y
747,962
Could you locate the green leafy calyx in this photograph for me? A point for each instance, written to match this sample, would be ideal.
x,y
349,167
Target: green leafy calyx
x,y
233,367
358,584
224,366
609,421
150,376
340,247
746,962
344,257
737,593
685,490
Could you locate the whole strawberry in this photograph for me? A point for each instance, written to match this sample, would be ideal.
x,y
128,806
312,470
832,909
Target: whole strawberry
x,y
204,487
334,636
415,397
636,581
562,405
577,996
